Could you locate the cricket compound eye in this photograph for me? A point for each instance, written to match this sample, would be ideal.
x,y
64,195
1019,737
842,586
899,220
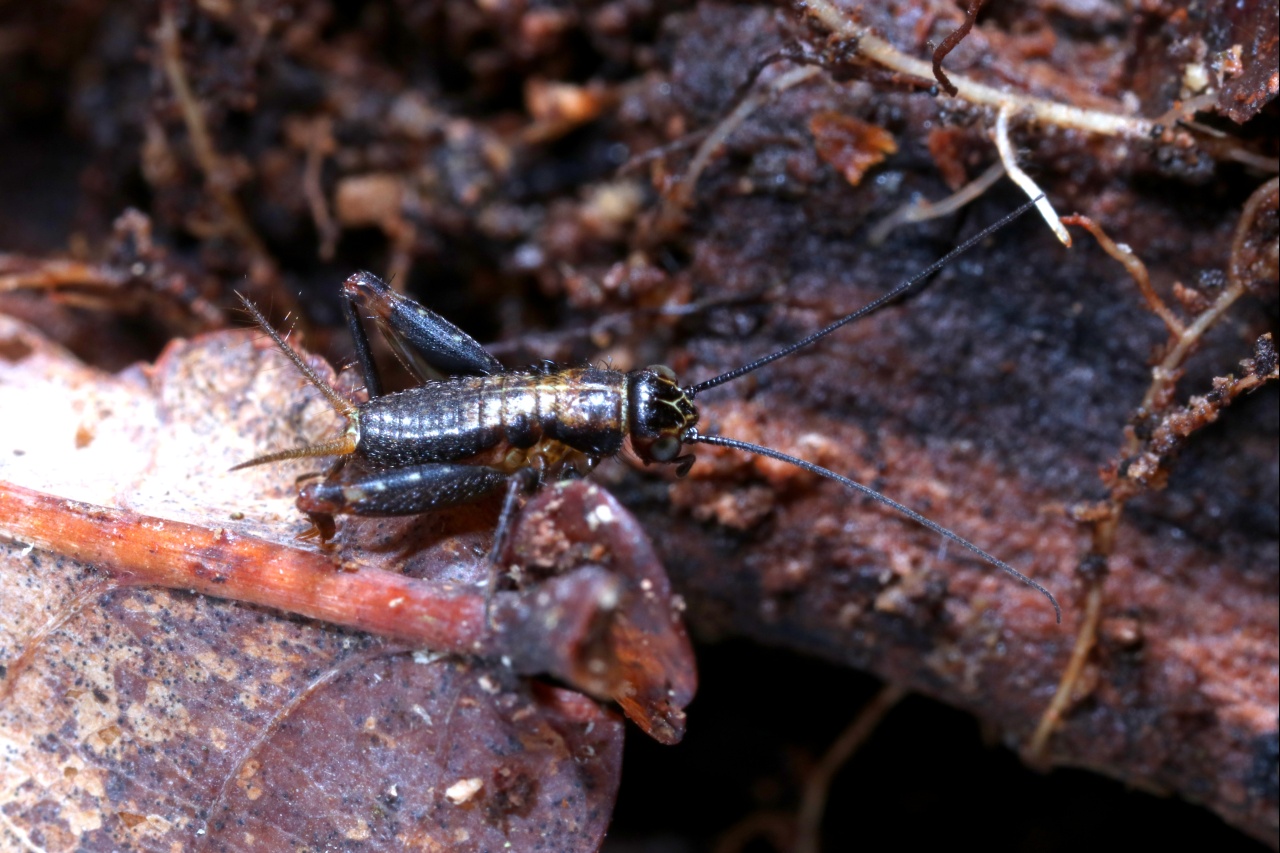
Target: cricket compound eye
x,y
665,449
662,370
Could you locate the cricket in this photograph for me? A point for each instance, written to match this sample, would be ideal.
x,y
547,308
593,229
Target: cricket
x,y
474,428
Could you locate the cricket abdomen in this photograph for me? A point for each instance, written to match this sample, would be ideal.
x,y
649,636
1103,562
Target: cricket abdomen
x,y
481,417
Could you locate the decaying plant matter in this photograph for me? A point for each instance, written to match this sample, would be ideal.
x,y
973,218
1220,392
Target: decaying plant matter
x,y
693,185
595,611
1161,427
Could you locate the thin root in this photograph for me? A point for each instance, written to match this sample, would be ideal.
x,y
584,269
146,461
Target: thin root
x,y
1023,180
949,44
320,145
876,49
682,194
206,153
1183,337
813,802
1062,697
922,210
1050,112
1136,268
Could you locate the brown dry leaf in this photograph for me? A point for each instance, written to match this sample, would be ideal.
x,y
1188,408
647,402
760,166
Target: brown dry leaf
x,y
149,719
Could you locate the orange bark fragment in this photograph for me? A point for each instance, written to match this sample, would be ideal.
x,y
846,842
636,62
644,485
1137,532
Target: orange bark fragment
x,y
850,145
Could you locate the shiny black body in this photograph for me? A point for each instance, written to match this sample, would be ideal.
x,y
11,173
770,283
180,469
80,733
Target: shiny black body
x,y
584,410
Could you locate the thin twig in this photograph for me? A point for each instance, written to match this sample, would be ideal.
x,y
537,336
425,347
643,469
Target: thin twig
x,y
564,613
813,801
922,210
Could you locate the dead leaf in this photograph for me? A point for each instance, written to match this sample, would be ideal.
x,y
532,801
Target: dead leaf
x,y
141,718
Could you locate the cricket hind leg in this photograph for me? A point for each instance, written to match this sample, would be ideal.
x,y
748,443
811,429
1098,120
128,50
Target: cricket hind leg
x,y
419,489
424,341
401,491
398,492
323,527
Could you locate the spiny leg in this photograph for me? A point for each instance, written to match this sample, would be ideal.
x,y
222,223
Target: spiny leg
x,y
359,337
322,525
402,491
419,489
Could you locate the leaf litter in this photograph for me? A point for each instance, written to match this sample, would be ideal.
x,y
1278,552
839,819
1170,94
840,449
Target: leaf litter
x,y
141,717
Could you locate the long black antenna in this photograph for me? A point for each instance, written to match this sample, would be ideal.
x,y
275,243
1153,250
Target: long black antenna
x,y
694,390
693,437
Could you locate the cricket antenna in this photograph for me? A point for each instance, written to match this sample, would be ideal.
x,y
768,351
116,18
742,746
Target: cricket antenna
x,y
693,437
694,390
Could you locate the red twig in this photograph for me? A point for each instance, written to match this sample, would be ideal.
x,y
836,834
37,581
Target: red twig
x,y
584,627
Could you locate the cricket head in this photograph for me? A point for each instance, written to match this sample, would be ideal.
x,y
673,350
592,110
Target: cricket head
x,y
661,415
663,418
